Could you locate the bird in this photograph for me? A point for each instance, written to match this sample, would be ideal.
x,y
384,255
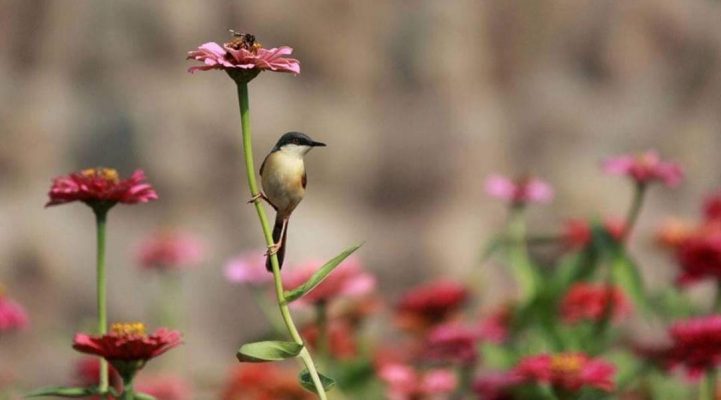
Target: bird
x,y
283,179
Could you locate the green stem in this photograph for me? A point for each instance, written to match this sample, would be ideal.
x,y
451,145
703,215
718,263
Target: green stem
x,y
322,322
526,275
254,191
634,211
709,391
101,220
128,391
717,300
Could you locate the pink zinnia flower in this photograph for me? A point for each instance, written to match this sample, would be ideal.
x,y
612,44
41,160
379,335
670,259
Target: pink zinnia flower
x,y
453,343
431,303
247,268
164,387
645,168
347,280
405,383
520,191
696,344
496,386
243,53
588,301
101,187
566,371
127,347
12,315
165,251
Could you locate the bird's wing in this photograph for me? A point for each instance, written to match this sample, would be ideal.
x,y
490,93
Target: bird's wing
x,y
263,164
304,180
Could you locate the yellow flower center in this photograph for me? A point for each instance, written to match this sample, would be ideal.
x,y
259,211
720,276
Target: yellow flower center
x,y
107,174
128,329
566,363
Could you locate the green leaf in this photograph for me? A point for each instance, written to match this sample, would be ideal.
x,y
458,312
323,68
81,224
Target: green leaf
x,y
307,382
272,350
319,275
64,391
144,396
626,274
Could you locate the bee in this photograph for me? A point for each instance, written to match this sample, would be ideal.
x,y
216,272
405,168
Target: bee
x,y
244,41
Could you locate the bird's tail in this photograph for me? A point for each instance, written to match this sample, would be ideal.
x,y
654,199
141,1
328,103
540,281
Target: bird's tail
x,y
277,230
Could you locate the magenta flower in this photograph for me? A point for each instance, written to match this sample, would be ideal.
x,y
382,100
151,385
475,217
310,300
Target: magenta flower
x,y
592,302
405,383
101,187
247,268
696,344
494,327
243,55
567,371
164,251
453,343
645,168
12,315
430,304
520,191
347,280
496,386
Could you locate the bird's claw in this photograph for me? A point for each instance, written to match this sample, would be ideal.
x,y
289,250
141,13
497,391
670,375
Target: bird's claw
x,y
257,197
272,249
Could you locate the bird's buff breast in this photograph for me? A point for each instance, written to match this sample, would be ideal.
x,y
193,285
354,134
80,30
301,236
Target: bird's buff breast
x,y
282,180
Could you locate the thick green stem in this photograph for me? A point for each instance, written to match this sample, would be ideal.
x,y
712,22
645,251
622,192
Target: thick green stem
x,y
101,219
634,211
128,391
709,391
267,234
717,300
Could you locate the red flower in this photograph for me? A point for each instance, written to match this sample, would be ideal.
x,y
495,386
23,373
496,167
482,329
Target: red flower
x,y
494,328
696,344
164,387
588,301
566,371
87,373
101,187
341,339
263,382
496,386
405,383
347,280
577,232
243,54
431,303
127,347
699,255
712,206
12,315
453,343
170,250
645,168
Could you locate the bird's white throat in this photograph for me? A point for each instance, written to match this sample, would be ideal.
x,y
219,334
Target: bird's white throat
x,y
295,149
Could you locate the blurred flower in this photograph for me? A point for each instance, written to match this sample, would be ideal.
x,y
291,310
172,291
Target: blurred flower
x,y
341,339
430,304
494,328
127,347
165,251
243,54
673,232
405,383
520,191
87,373
696,344
645,168
699,255
577,232
348,279
101,187
496,386
588,301
164,387
453,343
247,268
12,314
263,382
567,371
712,206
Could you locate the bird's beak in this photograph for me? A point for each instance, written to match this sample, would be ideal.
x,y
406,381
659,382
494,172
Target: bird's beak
x,y
318,144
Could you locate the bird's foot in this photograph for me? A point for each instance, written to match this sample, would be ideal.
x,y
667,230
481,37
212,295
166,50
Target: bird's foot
x,y
273,249
259,196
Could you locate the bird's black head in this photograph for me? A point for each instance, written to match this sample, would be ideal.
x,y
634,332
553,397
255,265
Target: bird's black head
x,y
297,139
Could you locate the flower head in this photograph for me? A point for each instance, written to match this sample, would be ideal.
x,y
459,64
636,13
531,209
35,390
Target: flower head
x,y
712,207
453,343
519,192
645,168
699,255
588,301
101,187
496,386
494,327
405,383
165,251
566,371
247,268
263,382
431,303
127,347
12,315
243,58
696,344
347,280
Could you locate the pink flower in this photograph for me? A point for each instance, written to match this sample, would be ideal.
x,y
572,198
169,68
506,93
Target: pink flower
x,y
101,187
645,168
496,386
696,344
347,280
12,315
588,301
453,343
248,268
699,255
431,303
519,192
170,250
494,328
566,371
164,387
405,383
712,207
243,53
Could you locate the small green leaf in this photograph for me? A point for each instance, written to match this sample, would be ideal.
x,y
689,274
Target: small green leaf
x,y
307,382
272,350
626,274
144,396
63,391
319,275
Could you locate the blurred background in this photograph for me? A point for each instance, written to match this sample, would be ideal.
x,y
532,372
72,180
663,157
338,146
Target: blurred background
x,y
418,102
